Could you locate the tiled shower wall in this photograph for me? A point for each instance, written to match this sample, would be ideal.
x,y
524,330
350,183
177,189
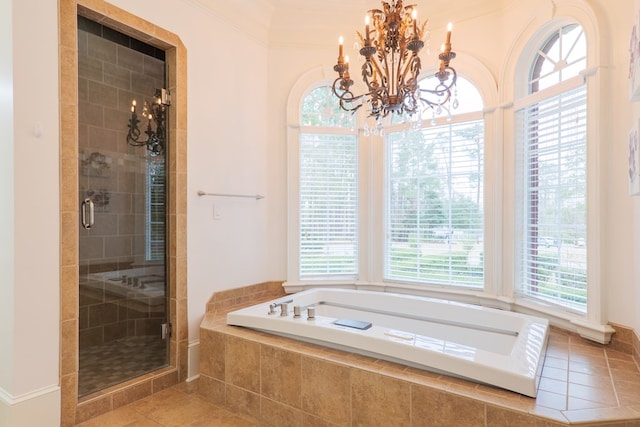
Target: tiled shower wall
x,y
113,175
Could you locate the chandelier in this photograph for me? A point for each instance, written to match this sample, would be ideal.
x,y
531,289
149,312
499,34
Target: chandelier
x,y
390,46
154,113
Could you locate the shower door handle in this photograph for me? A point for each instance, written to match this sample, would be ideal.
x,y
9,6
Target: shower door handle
x,y
87,219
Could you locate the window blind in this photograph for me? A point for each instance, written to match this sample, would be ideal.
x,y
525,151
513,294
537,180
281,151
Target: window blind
x,y
328,205
435,212
155,235
553,134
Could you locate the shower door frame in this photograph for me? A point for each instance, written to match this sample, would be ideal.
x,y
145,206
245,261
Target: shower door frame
x,y
74,410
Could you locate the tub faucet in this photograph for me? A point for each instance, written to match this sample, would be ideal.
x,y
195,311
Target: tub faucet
x,y
284,308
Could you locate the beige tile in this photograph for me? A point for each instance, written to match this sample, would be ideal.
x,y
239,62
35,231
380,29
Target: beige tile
x,y
548,417
275,414
132,393
242,401
588,368
598,381
170,397
223,418
182,327
500,417
309,420
601,415
118,418
326,390
553,385
605,394
627,387
551,400
68,399
574,403
164,381
497,396
211,389
626,364
69,349
212,354
280,375
191,409
555,373
243,363
379,400
93,408
69,239
556,362
431,407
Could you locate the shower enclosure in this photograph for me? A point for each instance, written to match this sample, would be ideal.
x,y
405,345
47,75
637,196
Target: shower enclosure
x,y
122,190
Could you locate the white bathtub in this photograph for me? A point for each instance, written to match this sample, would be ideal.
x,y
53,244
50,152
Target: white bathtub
x,y
491,346
141,282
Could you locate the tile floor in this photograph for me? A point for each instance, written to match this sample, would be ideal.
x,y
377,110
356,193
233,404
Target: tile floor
x,y
178,406
582,383
102,366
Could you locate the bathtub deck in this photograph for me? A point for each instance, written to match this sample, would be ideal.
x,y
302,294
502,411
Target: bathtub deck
x,y
266,376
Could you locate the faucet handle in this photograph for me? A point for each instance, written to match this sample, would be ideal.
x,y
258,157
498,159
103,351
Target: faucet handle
x,y
272,308
284,309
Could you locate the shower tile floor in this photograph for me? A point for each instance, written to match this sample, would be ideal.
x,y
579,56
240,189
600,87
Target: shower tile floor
x,y
102,366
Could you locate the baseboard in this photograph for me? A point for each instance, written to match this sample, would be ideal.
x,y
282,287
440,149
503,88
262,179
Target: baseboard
x,y
40,408
193,358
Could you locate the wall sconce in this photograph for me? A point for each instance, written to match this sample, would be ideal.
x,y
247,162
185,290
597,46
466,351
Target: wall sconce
x,y
156,113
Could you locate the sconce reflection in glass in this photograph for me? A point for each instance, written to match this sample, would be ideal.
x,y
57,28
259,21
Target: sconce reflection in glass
x,y
154,113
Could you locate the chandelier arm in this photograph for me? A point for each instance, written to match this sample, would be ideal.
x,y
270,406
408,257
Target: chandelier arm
x,y
367,71
414,65
396,68
346,97
375,64
436,92
385,65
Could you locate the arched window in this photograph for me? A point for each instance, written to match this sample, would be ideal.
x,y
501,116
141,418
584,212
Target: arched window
x,y
435,196
328,189
551,124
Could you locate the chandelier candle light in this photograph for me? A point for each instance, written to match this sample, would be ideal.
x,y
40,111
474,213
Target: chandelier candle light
x,y
156,113
390,45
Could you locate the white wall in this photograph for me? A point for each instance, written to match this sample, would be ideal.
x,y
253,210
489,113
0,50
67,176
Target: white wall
x,y
29,216
6,209
621,249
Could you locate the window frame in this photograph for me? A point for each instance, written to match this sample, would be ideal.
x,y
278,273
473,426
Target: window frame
x,y
312,80
442,121
592,324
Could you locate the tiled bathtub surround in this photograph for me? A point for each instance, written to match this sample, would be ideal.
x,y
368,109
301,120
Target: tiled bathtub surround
x,y
224,301
280,381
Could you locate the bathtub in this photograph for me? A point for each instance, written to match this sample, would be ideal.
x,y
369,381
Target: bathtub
x,y
141,282
491,346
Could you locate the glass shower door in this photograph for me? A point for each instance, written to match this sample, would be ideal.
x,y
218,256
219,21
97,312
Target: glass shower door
x,y
122,193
